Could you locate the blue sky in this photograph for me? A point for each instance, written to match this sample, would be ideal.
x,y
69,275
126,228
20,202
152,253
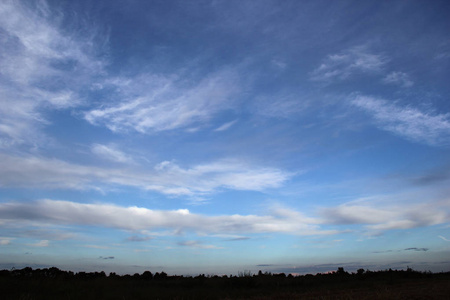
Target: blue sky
x,y
222,136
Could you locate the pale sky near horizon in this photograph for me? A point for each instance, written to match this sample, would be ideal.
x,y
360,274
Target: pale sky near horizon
x,y
221,136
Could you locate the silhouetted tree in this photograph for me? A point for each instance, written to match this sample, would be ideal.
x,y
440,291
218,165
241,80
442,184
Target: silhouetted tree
x,y
147,275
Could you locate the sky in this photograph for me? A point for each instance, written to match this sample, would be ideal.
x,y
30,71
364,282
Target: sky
x,y
225,136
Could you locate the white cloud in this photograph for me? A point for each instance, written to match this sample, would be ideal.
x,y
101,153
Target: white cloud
x,y
166,177
43,243
139,218
348,63
388,217
433,129
198,245
5,241
111,153
54,212
225,126
39,67
399,78
444,238
358,214
154,103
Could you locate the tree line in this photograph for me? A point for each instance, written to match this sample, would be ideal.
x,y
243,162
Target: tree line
x,y
54,272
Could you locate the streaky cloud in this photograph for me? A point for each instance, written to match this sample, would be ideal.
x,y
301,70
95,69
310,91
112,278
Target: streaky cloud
x,y
407,121
166,177
138,218
387,218
153,103
225,126
399,78
198,245
355,60
111,152
36,53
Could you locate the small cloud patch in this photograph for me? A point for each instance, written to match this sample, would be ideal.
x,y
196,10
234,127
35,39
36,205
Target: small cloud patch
x,y
416,249
444,238
43,243
136,238
197,245
244,238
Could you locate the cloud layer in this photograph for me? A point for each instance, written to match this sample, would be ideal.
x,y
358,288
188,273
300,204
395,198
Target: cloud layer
x,y
138,218
166,177
278,220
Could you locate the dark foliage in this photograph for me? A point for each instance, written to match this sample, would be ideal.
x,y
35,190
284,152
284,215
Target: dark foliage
x,y
53,283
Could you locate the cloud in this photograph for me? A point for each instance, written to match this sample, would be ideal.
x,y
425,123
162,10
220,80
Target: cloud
x,y
437,175
96,247
416,249
5,241
348,63
385,251
136,238
387,218
231,237
151,103
407,249
40,65
198,245
443,238
399,78
358,214
243,238
265,265
110,153
43,243
232,227
225,126
106,257
166,177
139,218
409,122
46,234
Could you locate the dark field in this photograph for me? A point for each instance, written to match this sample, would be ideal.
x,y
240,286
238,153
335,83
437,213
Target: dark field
x,y
56,284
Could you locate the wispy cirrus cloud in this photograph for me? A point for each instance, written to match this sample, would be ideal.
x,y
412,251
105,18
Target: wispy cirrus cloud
x,y
347,63
406,121
110,152
42,67
444,238
166,177
225,126
399,78
151,103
